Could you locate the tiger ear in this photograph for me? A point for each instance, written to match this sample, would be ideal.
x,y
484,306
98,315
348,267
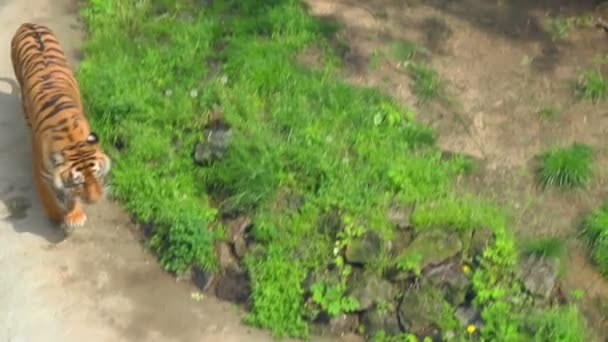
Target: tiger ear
x,y
57,159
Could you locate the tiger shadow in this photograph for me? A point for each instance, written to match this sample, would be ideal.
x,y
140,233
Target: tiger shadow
x,y
20,207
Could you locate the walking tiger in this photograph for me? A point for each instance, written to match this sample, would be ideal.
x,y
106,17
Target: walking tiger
x,y
70,169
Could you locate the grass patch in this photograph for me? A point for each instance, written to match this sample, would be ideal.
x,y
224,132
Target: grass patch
x,y
549,247
548,113
593,86
595,234
567,167
296,133
560,27
427,84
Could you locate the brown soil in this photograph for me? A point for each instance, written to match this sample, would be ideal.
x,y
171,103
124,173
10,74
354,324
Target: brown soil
x,y
500,67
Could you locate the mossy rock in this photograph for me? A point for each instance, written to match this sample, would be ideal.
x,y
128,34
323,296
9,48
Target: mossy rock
x,y
451,278
364,249
433,247
377,320
369,289
421,310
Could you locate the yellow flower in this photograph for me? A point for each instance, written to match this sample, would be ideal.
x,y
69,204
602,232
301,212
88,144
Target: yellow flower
x,y
471,328
466,269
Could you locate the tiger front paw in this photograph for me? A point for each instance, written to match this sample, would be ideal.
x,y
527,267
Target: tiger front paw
x,y
74,219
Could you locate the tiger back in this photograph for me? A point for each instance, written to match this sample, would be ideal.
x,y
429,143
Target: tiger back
x,y
70,169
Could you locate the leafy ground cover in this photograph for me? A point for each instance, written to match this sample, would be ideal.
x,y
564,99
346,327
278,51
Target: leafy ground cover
x,y
317,163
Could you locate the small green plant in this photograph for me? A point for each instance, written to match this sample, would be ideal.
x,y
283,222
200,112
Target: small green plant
x,y
593,86
595,234
403,51
426,81
332,298
567,167
375,59
558,28
577,294
548,113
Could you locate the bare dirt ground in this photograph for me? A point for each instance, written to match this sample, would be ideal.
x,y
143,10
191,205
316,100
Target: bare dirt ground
x,y
100,284
499,67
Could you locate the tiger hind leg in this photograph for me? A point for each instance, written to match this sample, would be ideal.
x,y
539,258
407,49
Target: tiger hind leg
x,y
52,208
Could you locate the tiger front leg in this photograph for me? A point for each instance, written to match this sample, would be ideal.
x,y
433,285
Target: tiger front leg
x,y
74,216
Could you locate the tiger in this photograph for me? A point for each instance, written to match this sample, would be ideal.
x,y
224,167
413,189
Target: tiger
x,y
69,166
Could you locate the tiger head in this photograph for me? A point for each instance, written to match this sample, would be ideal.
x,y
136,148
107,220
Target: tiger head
x,y
80,171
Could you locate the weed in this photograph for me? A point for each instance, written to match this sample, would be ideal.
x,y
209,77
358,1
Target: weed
x,y
548,113
375,59
592,86
426,81
595,234
558,28
567,167
403,51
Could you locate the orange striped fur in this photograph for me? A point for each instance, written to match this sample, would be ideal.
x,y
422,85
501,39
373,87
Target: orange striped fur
x,y
70,168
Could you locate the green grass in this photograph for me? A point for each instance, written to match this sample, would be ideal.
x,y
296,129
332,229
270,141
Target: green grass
x,y
549,113
549,247
593,86
566,167
427,84
595,234
296,133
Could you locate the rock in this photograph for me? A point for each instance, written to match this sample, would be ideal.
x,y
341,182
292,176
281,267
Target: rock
x,y
480,240
238,229
233,286
363,249
450,277
468,315
421,310
214,146
399,242
369,289
343,324
377,320
201,278
148,228
433,246
226,258
539,275
400,214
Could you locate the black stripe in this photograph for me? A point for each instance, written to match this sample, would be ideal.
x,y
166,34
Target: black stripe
x,y
25,48
51,102
56,110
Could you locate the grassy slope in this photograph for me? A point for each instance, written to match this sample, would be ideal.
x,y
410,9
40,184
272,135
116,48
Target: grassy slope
x,y
297,132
